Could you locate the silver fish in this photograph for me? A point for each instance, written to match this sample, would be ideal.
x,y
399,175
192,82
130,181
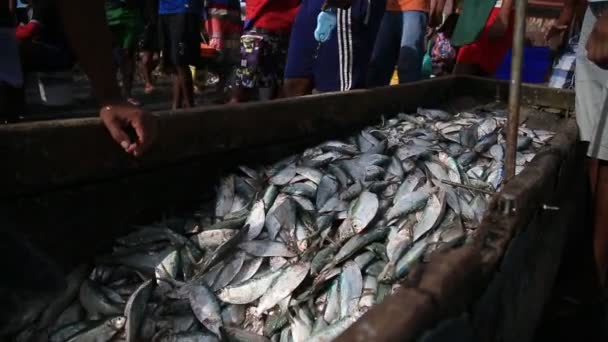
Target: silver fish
x,y
95,302
284,176
431,216
368,297
135,309
407,262
331,332
408,203
211,239
351,286
289,279
282,215
233,315
100,331
242,335
332,309
327,189
249,290
363,211
206,308
225,196
338,146
256,220
434,114
266,248
301,326
248,270
229,271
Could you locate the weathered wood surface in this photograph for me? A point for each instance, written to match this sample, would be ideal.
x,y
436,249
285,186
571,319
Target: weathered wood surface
x,y
45,155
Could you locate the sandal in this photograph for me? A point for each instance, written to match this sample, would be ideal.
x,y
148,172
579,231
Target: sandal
x,y
134,102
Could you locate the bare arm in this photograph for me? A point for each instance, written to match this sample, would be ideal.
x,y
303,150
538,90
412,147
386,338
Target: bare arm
x,y
562,23
505,11
86,29
436,12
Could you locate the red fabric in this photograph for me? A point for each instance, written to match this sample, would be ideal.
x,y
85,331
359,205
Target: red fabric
x,y
27,31
484,52
274,15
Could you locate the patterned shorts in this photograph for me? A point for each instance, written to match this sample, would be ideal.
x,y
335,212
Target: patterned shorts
x,y
263,57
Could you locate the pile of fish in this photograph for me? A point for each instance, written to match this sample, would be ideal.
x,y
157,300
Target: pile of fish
x,y
299,250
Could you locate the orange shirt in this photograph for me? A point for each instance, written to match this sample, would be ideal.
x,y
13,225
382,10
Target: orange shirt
x,y
408,5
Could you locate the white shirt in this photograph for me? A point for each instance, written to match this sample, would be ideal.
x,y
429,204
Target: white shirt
x,y
498,4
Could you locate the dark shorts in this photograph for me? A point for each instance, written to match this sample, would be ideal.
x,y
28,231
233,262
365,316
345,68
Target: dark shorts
x,y
180,39
340,63
263,57
149,37
124,35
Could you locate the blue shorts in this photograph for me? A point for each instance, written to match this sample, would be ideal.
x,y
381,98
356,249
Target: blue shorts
x,y
341,62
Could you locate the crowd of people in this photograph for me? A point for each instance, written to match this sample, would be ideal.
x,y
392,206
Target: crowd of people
x,y
274,51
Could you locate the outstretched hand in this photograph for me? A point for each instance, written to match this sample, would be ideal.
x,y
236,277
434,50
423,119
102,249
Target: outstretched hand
x,y
121,118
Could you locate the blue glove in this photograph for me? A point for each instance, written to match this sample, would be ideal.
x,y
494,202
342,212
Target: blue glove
x,y
326,23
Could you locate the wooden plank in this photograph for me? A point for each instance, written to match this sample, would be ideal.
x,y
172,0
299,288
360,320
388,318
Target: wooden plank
x,y
44,155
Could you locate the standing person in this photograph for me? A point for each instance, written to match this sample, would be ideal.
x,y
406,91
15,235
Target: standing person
x,y
125,24
264,46
84,23
224,27
340,63
591,77
43,45
148,44
485,33
11,77
401,40
179,22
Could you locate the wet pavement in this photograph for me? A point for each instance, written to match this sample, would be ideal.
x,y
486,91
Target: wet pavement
x,y
85,105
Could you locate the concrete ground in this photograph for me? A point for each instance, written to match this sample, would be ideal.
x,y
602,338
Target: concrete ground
x,y
85,105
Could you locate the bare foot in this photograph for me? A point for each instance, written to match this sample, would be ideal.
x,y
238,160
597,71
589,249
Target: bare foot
x,y
149,89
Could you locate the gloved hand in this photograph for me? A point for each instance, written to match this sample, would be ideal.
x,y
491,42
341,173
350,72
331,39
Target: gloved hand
x,y
326,23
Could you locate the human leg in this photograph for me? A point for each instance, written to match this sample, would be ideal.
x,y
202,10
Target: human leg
x,y
186,86
386,50
411,51
181,48
146,67
300,53
592,120
249,72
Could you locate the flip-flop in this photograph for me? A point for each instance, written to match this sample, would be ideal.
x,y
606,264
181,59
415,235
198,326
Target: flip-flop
x,y
134,102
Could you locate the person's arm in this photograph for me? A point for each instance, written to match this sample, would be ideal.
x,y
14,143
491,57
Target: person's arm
x,y
501,23
597,45
562,23
89,36
436,13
